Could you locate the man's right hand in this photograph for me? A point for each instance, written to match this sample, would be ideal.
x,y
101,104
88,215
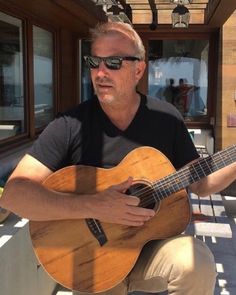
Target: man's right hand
x,y
114,206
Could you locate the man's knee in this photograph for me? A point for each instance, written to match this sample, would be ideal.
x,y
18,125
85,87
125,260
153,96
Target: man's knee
x,y
182,254
192,257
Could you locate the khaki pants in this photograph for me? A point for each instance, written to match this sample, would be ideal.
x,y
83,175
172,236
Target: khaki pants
x,y
182,265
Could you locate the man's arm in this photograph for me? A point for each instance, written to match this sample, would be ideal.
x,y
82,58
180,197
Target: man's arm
x,y
215,182
25,195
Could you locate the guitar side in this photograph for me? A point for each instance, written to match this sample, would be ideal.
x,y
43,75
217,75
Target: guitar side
x,y
70,253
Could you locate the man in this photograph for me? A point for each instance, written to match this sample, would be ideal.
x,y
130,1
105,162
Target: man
x,y
101,132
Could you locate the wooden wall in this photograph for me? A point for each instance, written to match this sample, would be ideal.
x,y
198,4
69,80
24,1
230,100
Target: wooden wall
x,y
226,89
67,96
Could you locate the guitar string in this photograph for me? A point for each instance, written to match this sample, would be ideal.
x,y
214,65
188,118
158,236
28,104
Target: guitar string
x,y
150,195
205,163
164,184
166,193
170,192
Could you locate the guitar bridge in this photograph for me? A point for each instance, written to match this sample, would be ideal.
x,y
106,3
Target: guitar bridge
x,y
97,231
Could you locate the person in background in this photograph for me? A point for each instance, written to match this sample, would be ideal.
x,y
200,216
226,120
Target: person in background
x,y
170,91
101,132
183,99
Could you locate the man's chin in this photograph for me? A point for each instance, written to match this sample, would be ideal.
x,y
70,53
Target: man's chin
x,y
105,98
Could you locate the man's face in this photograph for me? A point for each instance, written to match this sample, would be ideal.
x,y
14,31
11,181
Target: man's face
x,y
115,85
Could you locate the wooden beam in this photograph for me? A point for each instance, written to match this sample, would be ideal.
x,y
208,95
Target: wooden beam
x,y
87,12
219,11
164,17
48,12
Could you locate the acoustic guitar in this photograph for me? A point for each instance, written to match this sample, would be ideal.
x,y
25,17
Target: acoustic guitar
x,y
93,256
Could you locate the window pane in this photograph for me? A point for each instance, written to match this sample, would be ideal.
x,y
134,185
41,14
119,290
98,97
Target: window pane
x,y
12,121
43,76
178,73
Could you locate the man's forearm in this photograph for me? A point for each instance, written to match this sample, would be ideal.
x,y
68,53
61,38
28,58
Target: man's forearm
x,y
215,182
31,200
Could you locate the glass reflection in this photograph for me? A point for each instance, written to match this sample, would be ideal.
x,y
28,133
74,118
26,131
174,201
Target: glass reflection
x,y
43,76
12,120
178,73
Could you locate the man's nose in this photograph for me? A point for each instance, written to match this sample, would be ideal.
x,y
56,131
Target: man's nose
x,y
102,69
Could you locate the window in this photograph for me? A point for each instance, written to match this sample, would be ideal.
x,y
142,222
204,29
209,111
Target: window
x,y
43,76
27,82
12,102
178,73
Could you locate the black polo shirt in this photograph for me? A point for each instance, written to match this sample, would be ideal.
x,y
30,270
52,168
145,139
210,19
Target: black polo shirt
x,y
85,135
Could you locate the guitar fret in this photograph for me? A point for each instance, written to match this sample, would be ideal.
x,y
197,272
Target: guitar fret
x,y
195,174
222,158
210,167
229,155
199,171
154,194
202,171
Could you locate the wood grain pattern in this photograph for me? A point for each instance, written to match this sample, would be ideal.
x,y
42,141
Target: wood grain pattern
x,y
70,253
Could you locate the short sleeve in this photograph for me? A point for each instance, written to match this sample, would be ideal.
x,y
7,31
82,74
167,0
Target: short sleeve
x,y
51,148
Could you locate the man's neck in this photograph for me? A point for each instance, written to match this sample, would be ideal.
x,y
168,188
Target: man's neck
x,y
121,115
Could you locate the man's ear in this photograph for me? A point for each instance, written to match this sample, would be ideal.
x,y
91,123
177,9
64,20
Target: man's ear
x,y
140,69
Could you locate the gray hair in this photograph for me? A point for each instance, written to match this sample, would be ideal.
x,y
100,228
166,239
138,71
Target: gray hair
x,y
120,28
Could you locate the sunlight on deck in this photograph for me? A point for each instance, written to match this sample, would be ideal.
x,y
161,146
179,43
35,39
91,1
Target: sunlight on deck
x,y
4,239
21,223
219,267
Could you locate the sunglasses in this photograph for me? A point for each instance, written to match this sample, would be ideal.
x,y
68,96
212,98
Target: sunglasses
x,y
111,62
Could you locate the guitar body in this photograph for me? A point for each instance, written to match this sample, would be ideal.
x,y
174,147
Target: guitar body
x,y
73,256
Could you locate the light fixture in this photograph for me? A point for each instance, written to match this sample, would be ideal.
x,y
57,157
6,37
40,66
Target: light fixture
x,y
114,11
106,2
181,2
121,17
180,17
117,14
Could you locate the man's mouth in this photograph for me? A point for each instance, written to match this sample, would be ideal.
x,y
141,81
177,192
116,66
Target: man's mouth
x,y
104,85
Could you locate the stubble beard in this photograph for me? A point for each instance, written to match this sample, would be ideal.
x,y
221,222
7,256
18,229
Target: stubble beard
x,y
104,98
107,99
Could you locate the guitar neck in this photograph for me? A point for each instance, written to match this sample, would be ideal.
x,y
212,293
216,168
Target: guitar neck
x,y
194,172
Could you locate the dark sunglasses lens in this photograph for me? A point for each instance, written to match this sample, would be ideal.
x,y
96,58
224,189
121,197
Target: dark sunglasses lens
x,y
113,63
93,62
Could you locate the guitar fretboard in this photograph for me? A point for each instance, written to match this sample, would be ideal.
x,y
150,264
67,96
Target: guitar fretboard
x,y
192,173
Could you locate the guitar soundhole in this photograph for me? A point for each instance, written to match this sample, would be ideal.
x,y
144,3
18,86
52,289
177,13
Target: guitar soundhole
x,y
146,195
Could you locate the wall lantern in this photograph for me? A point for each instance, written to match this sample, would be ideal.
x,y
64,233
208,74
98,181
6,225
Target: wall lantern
x,y
106,2
181,2
114,11
180,17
